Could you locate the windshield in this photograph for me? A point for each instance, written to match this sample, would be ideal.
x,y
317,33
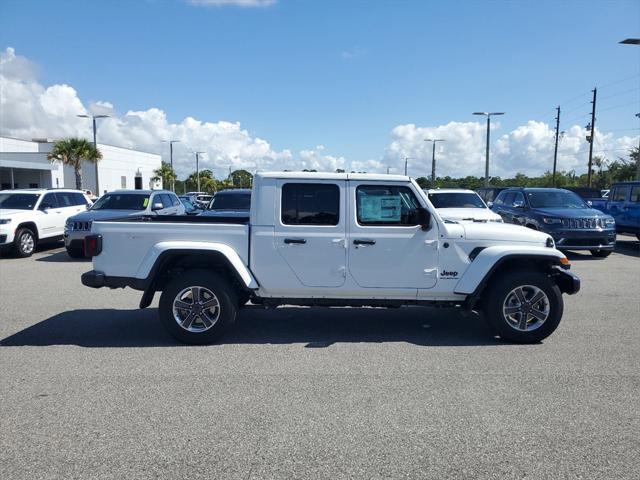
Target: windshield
x,y
231,201
121,201
18,201
456,200
555,200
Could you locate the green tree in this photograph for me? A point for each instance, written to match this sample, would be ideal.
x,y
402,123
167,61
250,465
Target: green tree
x,y
166,174
241,179
207,181
72,151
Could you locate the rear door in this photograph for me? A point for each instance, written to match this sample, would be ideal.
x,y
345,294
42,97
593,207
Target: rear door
x,y
616,204
310,231
632,209
387,247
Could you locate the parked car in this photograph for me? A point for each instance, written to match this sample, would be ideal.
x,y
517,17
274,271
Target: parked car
x,y
623,204
118,204
489,194
199,199
31,216
189,207
230,203
333,240
560,213
461,205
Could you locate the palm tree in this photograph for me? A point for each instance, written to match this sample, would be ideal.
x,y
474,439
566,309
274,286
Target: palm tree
x,y
166,174
72,151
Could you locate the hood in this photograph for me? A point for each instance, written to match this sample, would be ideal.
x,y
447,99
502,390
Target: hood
x,y
505,232
470,214
10,212
570,212
91,215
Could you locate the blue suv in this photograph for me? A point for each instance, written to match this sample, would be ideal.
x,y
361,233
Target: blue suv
x,y
572,223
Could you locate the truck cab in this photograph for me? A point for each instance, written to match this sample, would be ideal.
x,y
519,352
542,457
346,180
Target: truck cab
x,y
333,239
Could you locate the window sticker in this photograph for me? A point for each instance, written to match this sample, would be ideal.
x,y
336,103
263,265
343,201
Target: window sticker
x,y
380,208
146,202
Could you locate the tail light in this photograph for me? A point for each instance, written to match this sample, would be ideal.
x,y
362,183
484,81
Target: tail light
x,y
92,245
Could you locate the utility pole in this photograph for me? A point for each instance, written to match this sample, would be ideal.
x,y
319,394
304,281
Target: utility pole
x,y
405,165
638,156
95,145
555,150
198,168
171,142
486,163
593,133
433,159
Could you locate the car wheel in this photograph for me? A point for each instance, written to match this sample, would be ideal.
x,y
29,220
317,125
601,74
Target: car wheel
x,y
601,253
198,307
25,242
524,307
75,252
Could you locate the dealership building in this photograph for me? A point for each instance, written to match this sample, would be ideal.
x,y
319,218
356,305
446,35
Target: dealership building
x,y
24,164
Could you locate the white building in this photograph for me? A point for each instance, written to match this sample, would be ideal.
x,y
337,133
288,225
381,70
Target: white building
x,y
24,164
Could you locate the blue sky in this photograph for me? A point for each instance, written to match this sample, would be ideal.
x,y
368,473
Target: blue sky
x,y
341,74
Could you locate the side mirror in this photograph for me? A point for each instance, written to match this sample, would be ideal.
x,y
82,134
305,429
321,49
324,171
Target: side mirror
x,y
424,217
489,204
157,206
518,204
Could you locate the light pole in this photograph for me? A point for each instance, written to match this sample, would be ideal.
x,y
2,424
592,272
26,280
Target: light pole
x,y
433,158
486,165
634,41
406,159
173,180
198,168
95,144
638,156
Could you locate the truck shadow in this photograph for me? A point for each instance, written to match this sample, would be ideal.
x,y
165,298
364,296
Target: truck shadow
x,y
315,328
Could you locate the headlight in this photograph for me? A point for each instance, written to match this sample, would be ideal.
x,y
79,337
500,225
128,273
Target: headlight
x,y
4,221
552,221
609,222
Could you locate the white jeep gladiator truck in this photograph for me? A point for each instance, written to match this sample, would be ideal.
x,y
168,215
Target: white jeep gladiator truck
x,y
322,239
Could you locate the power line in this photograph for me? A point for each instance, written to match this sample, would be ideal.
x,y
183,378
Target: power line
x,y
637,90
615,82
618,106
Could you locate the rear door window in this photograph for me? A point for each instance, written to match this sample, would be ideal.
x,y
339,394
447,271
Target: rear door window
x,y
65,199
620,194
635,194
310,204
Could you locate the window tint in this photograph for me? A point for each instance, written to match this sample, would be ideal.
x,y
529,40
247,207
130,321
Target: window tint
x,y
79,198
49,201
620,194
174,200
166,200
518,197
65,199
507,200
386,205
310,204
635,194
500,199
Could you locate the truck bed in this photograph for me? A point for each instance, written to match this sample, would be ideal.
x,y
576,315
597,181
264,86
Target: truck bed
x,y
144,238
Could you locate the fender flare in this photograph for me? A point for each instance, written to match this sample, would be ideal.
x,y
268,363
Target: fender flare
x,y
491,259
161,252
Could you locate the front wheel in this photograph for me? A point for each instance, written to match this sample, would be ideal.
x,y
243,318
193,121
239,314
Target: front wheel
x,y
601,253
197,307
25,242
524,307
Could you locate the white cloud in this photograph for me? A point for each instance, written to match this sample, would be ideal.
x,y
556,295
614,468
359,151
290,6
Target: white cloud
x,y
237,3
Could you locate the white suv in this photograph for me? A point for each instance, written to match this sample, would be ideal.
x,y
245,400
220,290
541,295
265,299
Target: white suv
x,y
32,215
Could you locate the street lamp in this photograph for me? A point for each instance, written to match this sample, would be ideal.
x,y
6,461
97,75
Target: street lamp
x,y
406,159
171,142
95,144
198,168
433,158
486,165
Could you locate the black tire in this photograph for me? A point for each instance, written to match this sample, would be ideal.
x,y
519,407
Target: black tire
x,y
198,333
501,291
601,253
75,252
25,242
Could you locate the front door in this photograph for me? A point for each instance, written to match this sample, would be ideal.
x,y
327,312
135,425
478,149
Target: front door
x,y
310,232
50,218
387,247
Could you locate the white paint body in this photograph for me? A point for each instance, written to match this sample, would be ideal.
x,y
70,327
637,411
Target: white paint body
x,y
405,263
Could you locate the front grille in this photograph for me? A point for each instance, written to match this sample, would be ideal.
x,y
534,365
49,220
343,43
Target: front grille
x,y
583,222
81,226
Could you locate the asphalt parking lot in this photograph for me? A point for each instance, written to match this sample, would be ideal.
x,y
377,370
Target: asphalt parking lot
x,y
92,387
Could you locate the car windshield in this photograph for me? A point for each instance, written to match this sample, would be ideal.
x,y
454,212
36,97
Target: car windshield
x,y
555,200
121,201
18,201
231,201
456,200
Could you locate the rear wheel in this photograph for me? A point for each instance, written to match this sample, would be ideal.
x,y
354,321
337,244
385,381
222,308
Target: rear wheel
x,y
601,253
75,252
25,242
198,307
524,307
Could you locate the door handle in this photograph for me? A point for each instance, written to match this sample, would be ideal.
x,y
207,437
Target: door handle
x,y
295,241
364,242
